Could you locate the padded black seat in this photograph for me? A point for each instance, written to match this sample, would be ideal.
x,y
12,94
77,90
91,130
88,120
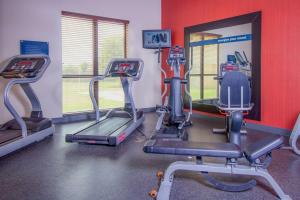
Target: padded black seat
x,y
263,147
235,80
225,150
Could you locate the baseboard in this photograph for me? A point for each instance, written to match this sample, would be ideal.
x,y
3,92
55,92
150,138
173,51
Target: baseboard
x,y
74,117
77,117
268,129
85,116
148,110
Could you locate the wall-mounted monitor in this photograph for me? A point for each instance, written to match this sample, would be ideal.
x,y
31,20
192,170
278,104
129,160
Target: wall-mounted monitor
x,y
155,39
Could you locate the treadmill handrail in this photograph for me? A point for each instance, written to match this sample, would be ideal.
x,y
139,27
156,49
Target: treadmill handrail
x,y
92,95
102,77
35,102
11,109
94,101
20,81
130,97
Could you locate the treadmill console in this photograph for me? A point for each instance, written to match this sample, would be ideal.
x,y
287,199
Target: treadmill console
x,y
176,54
23,67
124,68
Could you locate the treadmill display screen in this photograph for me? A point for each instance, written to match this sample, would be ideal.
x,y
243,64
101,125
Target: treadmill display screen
x,y
124,69
23,68
24,65
176,52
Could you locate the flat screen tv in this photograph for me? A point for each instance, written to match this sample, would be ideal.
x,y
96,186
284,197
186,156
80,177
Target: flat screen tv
x,y
155,39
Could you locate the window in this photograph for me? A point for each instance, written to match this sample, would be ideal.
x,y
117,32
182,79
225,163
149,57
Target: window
x,y
88,44
203,86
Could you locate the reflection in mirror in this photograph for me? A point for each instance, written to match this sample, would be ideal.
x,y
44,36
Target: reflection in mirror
x,y
209,53
221,46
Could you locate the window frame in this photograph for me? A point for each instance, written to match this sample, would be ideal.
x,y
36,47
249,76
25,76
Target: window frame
x,y
95,20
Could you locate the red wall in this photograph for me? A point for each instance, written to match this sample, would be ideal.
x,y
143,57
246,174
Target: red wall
x,y
280,57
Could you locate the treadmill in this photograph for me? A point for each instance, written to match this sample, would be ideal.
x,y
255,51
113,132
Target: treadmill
x,y
19,132
117,124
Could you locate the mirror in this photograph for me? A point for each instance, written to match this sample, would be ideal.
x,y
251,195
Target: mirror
x,y
211,46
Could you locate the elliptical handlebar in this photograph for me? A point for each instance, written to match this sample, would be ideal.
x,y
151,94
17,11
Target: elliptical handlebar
x,y
187,73
165,84
242,60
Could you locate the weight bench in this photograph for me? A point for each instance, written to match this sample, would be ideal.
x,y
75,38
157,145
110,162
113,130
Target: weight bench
x,y
232,152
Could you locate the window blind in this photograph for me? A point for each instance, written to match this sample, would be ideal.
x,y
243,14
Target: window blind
x,y
111,42
77,46
88,44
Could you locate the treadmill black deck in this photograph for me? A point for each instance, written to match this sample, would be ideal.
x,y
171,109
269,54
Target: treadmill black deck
x,y
100,132
110,131
105,127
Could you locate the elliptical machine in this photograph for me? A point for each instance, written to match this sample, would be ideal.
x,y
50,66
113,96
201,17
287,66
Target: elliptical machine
x,y
173,119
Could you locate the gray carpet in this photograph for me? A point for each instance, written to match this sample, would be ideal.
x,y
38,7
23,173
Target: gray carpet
x,y
53,169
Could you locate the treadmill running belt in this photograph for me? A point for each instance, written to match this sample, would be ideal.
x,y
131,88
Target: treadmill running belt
x,y
106,127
